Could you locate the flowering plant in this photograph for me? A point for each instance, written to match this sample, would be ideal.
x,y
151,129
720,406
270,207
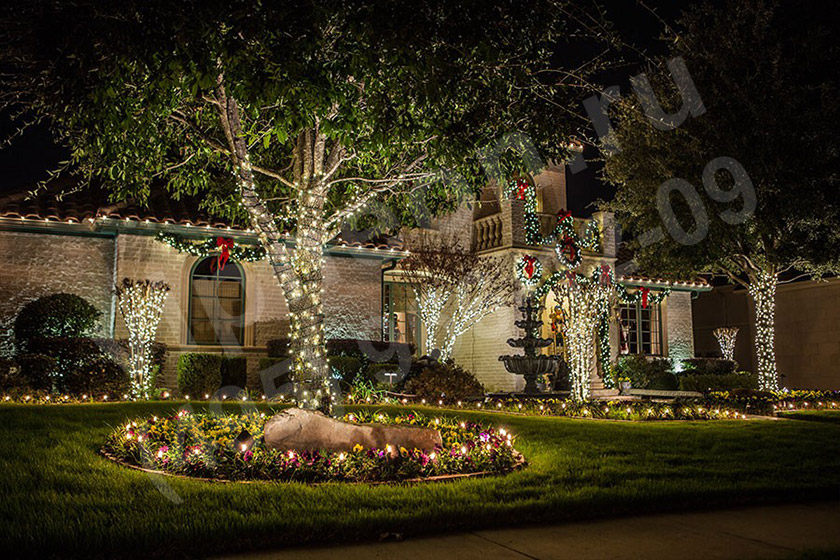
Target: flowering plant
x,y
208,446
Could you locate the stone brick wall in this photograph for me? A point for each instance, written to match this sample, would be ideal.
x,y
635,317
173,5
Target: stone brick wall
x,y
353,297
678,326
36,265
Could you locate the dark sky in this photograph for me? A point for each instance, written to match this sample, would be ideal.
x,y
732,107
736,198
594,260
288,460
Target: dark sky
x,y
29,157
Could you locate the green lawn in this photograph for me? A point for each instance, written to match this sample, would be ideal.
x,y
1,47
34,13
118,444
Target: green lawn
x,y
59,496
832,416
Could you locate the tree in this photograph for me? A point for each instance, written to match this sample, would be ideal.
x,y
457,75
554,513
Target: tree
x,y
455,288
300,119
748,189
141,305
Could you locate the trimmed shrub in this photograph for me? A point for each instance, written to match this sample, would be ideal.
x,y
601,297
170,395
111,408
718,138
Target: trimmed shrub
x,y
718,382
54,316
278,377
346,369
199,373
234,371
100,375
647,373
118,351
36,371
708,366
444,380
369,350
75,358
278,348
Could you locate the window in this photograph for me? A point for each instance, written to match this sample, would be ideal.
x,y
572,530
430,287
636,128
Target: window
x,y
217,304
400,321
641,329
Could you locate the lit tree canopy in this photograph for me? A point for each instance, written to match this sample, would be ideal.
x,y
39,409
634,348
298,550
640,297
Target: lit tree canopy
x,y
770,99
301,118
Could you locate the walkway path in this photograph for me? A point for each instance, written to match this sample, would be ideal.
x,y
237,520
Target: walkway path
x,y
747,533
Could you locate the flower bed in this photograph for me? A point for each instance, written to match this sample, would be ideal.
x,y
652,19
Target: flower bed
x,y
216,446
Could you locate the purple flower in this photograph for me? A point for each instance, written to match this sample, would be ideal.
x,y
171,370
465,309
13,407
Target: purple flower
x,y
247,455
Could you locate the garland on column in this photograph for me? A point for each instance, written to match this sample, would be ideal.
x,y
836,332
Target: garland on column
x,y
211,246
529,271
605,278
565,239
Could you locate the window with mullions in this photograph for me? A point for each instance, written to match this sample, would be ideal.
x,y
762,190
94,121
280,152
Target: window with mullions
x,y
217,304
641,329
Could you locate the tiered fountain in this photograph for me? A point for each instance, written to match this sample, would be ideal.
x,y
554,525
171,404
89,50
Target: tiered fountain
x,y
532,364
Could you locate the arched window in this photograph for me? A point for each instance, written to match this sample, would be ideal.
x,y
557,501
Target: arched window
x,y
217,304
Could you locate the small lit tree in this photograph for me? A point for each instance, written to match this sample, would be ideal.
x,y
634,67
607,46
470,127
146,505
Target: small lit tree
x,y
141,304
455,288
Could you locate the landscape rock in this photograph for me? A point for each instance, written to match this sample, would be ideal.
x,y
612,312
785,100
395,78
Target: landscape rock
x,y
299,430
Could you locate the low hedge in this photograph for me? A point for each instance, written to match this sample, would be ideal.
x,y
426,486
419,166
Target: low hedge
x,y
709,366
34,371
377,351
645,373
199,373
234,370
718,382
278,348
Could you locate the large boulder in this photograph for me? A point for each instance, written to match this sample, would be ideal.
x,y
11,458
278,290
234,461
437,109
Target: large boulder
x,y
300,430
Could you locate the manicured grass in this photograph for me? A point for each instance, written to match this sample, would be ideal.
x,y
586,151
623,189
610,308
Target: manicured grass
x,y
832,416
59,496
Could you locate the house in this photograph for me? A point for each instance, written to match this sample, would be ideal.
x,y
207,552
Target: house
x,y
79,245
807,330
76,244
494,225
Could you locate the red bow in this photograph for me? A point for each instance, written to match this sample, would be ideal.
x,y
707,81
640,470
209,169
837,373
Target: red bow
x,y
569,248
645,292
225,245
571,277
563,215
530,262
605,275
523,187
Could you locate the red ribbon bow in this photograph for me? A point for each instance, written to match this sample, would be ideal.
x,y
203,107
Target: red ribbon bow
x,y
563,215
571,277
569,248
225,245
605,275
530,263
644,291
523,187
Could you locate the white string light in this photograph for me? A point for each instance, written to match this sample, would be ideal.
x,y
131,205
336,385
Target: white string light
x,y
141,305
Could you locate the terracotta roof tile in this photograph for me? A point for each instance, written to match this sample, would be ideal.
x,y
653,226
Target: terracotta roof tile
x,y
85,204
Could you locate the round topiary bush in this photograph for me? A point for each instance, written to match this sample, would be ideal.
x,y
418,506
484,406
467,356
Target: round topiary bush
x,y
56,315
444,380
199,374
211,446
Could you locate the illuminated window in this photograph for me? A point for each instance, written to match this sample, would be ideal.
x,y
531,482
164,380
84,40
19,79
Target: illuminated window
x,y
217,304
641,329
401,322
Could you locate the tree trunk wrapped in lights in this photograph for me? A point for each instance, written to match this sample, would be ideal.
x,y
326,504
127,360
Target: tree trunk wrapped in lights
x,y
584,300
455,288
141,304
726,337
762,288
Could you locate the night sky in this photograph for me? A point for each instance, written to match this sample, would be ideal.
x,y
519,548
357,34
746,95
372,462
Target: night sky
x,y
29,157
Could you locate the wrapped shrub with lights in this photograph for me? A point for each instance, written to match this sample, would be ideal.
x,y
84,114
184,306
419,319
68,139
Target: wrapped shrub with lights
x,y
230,447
